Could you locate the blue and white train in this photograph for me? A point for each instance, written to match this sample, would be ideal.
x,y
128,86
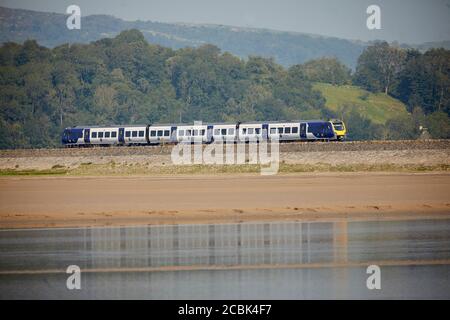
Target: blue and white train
x,y
206,133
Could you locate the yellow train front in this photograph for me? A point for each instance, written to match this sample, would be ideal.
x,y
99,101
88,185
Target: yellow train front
x,y
339,129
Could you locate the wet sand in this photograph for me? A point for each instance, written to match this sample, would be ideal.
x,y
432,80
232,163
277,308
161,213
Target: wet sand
x,y
30,202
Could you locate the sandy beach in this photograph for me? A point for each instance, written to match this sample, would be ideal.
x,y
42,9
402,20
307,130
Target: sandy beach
x,y
29,202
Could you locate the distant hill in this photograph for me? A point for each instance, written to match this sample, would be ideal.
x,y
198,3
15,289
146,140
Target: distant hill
x,y
287,48
430,45
377,107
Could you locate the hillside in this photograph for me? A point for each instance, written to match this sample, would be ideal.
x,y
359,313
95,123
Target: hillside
x,y
127,80
287,48
377,107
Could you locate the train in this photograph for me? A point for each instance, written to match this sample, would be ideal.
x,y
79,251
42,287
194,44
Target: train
x,y
154,134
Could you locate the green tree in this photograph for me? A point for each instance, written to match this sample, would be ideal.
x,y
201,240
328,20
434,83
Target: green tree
x,y
402,127
378,67
359,127
425,81
438,124
327,70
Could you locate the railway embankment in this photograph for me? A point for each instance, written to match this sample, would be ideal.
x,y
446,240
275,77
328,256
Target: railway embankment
x,y
405,155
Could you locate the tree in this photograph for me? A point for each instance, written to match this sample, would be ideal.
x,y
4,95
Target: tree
x,y
359,127
378,67
425,81
105,102
327,70
401,127
438,124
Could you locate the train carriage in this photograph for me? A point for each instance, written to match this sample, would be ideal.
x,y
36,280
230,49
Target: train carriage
x,y
224,132
102,135
252,131
284,131
162,133
135,134
194,133
318,130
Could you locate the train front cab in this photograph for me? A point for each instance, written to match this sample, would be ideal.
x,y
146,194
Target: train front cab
x,y
318,130
339,129
72,136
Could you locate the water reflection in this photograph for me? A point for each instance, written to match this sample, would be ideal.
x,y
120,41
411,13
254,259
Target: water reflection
x,y
324,257
242,244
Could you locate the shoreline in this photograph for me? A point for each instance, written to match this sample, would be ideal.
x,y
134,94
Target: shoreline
x,y
124,219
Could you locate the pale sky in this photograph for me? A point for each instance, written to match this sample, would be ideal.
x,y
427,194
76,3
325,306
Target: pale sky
x,y
406,21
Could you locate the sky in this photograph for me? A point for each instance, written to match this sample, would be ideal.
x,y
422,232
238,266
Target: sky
x,y
405,21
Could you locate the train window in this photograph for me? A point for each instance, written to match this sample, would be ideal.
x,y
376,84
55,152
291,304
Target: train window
x,y
141,133
273,130
202,132
94,134
216,132
134,134
250,130
113,134
244,131
188,133
100,134
181,133
280,130
107,134
257,130
127,134
166,133
224,132
231,131
295,130
338,125
195,133
160,133
287,130
153,133
319,128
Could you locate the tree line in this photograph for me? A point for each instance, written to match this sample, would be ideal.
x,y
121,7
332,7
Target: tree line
x,y
126,80
420,80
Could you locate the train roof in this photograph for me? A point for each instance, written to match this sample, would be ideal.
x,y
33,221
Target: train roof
x,y
203,123
107,126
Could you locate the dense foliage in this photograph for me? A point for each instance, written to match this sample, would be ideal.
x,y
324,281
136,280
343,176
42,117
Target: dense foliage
x,y
327,70
126,80
420,80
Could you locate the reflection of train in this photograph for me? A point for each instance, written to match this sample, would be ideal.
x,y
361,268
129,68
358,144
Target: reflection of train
x,y
206,133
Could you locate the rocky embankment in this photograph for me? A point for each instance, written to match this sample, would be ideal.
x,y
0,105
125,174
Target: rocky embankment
x,y
407,152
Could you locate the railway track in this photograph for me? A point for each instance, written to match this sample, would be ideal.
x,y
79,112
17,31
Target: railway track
x,y
284,147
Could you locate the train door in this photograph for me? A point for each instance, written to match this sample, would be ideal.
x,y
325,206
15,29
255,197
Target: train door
x,y
173,134
209,133
265,131
302,130
121,135
87,135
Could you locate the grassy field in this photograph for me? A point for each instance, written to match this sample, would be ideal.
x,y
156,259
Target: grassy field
x,y
377,107
137,169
